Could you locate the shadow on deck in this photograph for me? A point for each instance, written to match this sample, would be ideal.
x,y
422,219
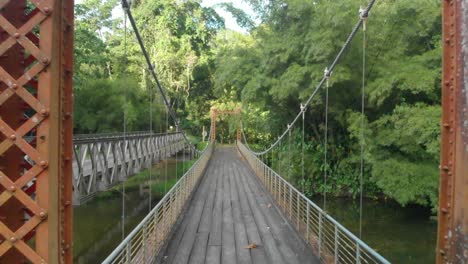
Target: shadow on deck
x,y
229,211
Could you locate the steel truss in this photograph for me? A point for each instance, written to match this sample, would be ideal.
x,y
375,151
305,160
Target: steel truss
x,y
101,162
36,67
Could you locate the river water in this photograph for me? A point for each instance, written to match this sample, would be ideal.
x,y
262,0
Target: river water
x,y
402,235
97,227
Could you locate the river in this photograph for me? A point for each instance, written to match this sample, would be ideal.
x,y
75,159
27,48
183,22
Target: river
x,y
97,225
400,234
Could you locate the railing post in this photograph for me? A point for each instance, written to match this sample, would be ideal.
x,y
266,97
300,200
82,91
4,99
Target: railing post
x,y
290,202
276,188
337,253
145,238
178,204
298,211
164,217
307,222
320,234
269,179
358,253
128,249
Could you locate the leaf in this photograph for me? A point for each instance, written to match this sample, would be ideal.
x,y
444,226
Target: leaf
x,y
251,246
269,205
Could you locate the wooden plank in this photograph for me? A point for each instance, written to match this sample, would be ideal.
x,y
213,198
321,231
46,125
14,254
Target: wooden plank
x,y
205,223
276,223
188,238
198,253
258,255
228,255
240,233
292,246
216,221
268,239
175,241
228,212
213,255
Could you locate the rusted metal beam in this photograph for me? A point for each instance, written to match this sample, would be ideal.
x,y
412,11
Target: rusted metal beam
x,y
36,55
452,243
11,112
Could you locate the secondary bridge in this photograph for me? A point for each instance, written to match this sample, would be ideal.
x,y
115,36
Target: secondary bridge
x,y
104,160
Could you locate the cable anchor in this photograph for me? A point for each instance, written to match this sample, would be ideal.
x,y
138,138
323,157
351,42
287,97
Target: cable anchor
x,y
303,110
327,74
126,4
363,14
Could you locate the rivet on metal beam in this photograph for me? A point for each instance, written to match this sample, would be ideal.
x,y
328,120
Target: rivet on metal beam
x,y
45,61
13,137
43,164
13,239
17,35
44,112
43,214
12,188
47,10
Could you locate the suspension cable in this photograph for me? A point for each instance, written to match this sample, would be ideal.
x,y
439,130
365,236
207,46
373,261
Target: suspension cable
x,y
363,16
289,156
166,158
279,157
330,68
149,151
302,147
126,7
325,143
124,128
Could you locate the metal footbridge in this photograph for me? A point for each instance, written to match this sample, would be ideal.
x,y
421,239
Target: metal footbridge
x,y
230,207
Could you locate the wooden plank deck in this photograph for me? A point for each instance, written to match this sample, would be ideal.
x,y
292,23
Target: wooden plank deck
x,y
229,211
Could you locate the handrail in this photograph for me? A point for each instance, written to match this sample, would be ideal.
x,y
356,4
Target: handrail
x,y
143,244
87,138
329,239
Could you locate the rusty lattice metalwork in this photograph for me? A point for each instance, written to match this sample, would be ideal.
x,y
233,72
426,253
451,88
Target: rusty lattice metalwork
x,y
452,244
36,66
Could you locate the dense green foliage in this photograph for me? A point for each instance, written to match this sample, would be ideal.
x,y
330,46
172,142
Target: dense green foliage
x,y
270,70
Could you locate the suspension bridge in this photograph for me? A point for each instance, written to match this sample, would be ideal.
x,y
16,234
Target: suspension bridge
x,y
230,206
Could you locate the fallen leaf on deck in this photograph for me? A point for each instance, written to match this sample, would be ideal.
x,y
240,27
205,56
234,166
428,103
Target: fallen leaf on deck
x,y
269,205
251,246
